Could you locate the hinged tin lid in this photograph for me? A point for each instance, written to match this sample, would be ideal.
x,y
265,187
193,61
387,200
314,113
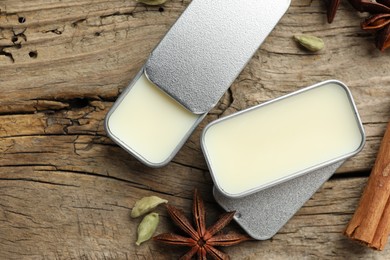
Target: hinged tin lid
x,y
264,213
208,46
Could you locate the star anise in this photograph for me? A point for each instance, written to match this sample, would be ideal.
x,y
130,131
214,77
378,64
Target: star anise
x,y
202,241
378,21
332,6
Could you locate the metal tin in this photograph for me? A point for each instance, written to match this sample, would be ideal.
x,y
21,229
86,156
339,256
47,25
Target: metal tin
x,y
202,54
292,175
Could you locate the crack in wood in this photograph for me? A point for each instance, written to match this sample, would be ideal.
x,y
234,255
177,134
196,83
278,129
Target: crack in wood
x,y
38,181
118,206
77,22
29,217
91,208
190,166
132,183
6,54
351,174
55,31
129,13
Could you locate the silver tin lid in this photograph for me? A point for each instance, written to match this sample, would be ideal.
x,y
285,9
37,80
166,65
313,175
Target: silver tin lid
x,y
264,213
208,46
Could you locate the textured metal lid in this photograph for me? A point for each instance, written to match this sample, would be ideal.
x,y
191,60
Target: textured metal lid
x,y
264,213
208,46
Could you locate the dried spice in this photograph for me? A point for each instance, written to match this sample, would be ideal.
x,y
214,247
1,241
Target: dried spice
x,y
152,2
147,227
378,22
370,224
311,43
332,9
202,240
383,38
146,205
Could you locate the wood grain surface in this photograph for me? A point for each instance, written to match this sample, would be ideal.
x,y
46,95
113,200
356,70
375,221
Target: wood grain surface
x,y
66,190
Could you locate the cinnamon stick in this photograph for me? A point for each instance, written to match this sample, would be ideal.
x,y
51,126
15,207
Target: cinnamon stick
x,y
370,224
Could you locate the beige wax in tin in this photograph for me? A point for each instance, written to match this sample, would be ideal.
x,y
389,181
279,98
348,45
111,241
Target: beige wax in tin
x,y
268,144
150,123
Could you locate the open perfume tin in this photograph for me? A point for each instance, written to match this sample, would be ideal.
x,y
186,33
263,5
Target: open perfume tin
x,y
296,141
190,69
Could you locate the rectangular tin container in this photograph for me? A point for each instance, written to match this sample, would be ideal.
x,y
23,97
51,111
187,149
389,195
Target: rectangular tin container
x,y
200,57
212,159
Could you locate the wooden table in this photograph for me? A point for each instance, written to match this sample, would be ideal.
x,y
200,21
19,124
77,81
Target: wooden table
x,y
66,190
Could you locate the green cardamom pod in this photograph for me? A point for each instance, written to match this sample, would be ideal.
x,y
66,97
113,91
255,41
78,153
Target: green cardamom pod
x,y
312,43
146,205
147,227
152,2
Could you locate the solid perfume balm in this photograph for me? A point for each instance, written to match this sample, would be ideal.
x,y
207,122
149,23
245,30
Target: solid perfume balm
x,y
147,116
282,139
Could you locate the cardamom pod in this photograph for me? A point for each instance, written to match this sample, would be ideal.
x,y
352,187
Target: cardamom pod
x,y
147,227
311,43
146,205
152,2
